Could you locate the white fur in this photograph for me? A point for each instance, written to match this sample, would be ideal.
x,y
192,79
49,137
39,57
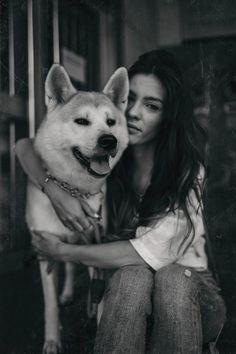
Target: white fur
x,y
55,138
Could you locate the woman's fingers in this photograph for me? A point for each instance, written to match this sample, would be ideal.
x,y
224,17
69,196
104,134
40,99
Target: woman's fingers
x,y
36,233
42,258
73,212
82,219
67,224
36,242
73,225
88,210
46,244
44,238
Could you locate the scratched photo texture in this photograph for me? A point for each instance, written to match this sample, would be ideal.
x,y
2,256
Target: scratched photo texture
x,y
91,39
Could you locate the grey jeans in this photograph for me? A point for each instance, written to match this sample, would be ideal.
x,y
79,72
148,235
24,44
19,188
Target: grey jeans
x,y
184,306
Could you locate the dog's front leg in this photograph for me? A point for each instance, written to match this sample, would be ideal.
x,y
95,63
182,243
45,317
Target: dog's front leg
x,y
67,295
52,339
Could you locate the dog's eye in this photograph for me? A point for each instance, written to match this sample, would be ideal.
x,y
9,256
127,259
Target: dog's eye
x,y
82,121
111,122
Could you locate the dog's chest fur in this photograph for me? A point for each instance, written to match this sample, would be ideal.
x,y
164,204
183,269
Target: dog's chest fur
x,y
40,215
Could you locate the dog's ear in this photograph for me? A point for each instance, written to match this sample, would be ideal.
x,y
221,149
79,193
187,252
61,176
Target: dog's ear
x,y
58,87
117,88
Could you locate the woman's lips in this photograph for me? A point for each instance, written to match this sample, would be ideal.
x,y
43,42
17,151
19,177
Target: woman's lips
x,y
133,129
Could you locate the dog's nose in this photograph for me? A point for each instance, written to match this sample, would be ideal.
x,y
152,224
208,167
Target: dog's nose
x,y
107,142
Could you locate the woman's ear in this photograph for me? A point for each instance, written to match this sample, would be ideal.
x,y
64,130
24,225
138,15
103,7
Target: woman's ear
x,y
58,87
117,88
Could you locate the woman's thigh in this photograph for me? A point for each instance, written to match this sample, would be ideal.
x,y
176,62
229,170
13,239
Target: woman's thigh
x,y
127,303
182,292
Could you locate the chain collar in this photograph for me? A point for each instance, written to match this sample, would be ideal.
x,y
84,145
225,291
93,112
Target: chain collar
x,y
73,191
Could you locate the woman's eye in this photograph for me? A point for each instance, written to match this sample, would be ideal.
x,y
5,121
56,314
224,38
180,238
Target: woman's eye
x,y
152,107
82,121
111,122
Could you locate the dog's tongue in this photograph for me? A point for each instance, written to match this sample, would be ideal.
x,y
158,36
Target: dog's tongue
x,y
100,166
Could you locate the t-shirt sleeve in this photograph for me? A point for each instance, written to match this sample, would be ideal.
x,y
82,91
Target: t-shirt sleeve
x,y
164,243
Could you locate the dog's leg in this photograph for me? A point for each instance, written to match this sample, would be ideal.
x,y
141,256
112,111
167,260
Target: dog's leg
x,y
52,339
67,295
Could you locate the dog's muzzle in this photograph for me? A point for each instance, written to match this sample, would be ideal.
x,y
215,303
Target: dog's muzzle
x,y
98,165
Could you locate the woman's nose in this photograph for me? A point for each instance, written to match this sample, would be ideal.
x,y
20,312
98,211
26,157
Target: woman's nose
x,y
133,110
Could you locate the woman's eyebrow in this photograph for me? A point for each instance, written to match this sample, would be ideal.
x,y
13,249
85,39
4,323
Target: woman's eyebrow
x,y
150,98
147,98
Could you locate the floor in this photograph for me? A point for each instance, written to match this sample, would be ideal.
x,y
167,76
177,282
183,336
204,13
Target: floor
x,y
21,318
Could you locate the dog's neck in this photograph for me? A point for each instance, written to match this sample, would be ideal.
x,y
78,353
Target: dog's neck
x,y
72,190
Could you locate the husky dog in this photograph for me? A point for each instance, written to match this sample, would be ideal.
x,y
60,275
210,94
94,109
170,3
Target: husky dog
x,y
80,140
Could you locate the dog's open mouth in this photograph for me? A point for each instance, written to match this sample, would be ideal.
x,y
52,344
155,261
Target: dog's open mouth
x,y
98,166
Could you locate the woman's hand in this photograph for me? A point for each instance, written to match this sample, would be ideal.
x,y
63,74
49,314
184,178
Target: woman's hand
x,y
48,245
73,212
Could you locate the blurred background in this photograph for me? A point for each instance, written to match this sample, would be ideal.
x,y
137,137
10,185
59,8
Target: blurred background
x,y
91,38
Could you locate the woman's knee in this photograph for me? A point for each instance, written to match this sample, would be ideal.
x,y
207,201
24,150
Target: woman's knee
x,y
131,284
175,284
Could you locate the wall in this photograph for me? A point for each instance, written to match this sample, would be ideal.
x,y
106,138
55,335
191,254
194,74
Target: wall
x,y
140,31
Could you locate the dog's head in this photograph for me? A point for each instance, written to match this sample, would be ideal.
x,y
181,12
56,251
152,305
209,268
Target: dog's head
x,y
84,133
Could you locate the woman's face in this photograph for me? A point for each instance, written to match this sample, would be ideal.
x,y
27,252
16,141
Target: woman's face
x,y
145,108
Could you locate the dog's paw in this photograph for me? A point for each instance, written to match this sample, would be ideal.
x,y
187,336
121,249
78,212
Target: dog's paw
x,y
66,299
52,347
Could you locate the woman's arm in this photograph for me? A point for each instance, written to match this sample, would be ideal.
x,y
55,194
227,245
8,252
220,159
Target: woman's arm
x,y
30,162
106,255
70,211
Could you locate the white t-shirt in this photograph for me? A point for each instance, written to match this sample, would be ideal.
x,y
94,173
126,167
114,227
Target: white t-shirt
x,y
159,244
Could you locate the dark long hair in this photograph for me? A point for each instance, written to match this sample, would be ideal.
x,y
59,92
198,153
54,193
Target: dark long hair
x,y
178,156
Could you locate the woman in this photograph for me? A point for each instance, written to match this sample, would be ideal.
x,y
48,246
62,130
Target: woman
x,y
155,212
